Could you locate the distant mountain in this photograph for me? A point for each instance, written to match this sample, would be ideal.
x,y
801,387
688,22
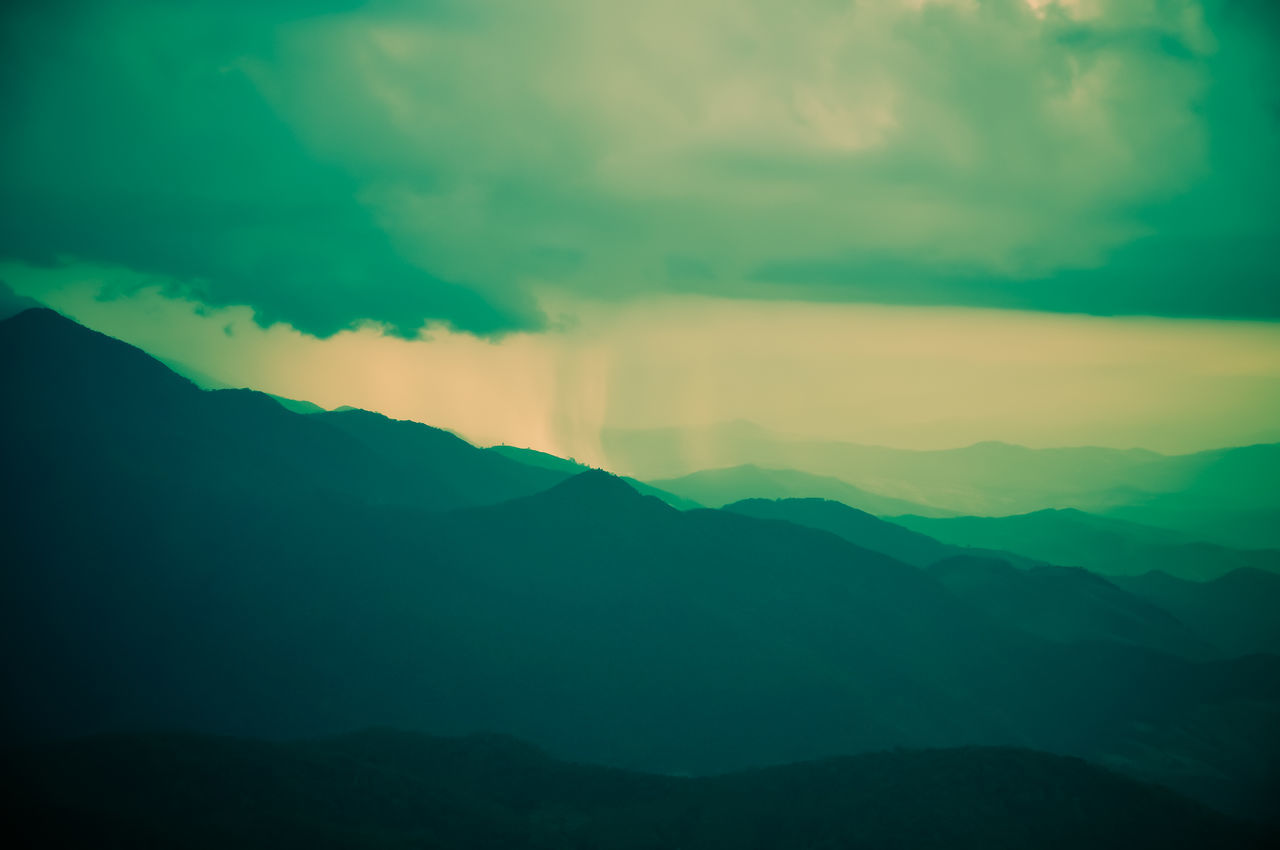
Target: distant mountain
x,y
1057,603
717,487
543,460
985,478
393,789
856,526
1239,612
1245,528
209,560
991,478
1104,544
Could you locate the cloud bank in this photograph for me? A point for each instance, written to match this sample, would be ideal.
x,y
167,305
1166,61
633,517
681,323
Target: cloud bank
x,y
468,163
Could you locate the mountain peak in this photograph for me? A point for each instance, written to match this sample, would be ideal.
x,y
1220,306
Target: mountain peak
x,y
595,483
44,354
596,489
38,317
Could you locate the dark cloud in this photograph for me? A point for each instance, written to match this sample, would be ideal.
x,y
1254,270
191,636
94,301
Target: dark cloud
x,y
135,138
409,163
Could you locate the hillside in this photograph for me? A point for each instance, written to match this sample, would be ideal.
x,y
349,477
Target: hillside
x,y
392,789
212,561
81,399
1057,603
1239,612
1103,544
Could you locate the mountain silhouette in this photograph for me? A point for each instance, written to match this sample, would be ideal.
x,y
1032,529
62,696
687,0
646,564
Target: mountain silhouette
x,y
211,561
1103,544
1225,496
1058,603
83,398
1068,604
1236,612
381,788
718,487
856,526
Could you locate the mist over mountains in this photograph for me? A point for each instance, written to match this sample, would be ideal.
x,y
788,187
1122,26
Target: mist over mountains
x,y
212,561
1225,496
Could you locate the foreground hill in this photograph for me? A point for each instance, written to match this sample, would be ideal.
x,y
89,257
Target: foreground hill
x,y
180,559
389,789
718,487
1103,544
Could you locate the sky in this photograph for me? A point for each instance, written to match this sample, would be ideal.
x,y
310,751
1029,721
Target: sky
x,y
920,223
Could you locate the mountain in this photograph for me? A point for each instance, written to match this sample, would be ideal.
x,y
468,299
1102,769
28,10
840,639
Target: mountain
x,y
80,399
439,461
1224,495
1106,545
297,405
985,478
1057,603
382,788
1245,528
543,460
1239,612
1067,604
176,558
858,527
717,487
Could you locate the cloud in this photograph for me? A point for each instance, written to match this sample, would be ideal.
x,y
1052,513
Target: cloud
x,y
135,138
465,163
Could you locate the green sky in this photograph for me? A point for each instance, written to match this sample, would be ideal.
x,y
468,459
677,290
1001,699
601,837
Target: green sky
x,y
588,188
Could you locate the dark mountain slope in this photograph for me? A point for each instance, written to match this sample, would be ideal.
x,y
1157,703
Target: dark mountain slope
x,y
1057,603
1067,604
441,459
860,528
387,789
1239,612
80,397
169,568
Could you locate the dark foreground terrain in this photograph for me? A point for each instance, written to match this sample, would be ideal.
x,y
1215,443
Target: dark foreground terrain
x,y
394,789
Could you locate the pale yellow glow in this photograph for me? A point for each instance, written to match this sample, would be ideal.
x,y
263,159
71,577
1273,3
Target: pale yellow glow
x,y
912,377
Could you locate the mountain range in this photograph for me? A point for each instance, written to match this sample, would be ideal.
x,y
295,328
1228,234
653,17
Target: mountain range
x,y
1225,496
718,487
209,560
1066,604
1103,544
381,788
